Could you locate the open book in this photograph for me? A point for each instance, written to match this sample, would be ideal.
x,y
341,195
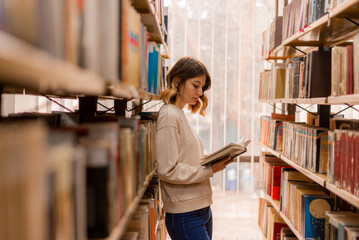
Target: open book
x,y
232,150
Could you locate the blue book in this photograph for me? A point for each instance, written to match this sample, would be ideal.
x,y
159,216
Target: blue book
x,y
153,55
314,208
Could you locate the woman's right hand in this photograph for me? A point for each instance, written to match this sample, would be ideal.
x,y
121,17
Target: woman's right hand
x,y
220,165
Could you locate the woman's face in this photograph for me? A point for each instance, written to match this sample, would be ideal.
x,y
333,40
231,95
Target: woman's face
x,y
192,90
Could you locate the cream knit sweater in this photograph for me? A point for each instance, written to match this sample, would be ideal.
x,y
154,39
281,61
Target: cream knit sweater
x,y
185,184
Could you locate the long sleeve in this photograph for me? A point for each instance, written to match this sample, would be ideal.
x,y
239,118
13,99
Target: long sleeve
x,y
171,168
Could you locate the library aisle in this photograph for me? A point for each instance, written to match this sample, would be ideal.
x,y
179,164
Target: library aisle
x,y
234,216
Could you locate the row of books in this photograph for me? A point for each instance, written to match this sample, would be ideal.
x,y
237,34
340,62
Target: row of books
x,y
297,15
332,151
342,225
318,74
148,214
344,160
302,201
105,37
345,73
85,178
270,222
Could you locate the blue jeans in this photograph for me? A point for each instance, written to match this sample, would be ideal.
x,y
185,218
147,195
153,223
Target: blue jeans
x,y
195,225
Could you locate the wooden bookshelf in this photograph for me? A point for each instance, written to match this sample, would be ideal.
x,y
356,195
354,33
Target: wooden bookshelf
x,y
150,20
276,205
349,99
321,179
118,231
320,34
350,198
316,177
323,100
22,65
284,52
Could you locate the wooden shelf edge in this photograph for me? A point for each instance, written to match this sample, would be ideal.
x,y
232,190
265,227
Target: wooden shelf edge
x,y
341,100
321,101
276,207
318,178
350,198
118,231
24,65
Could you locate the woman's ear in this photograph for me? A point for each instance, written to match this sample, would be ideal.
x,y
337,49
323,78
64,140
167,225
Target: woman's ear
x,y
177,80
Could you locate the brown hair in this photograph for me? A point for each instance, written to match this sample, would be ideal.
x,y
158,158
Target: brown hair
x,y
185,68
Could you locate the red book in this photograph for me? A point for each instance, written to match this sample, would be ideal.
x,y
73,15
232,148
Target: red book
x,y
343,159
350,70
277,229
276,179
337,148
356,164
349,163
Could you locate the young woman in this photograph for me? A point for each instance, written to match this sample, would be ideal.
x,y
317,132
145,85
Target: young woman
x,y
185,184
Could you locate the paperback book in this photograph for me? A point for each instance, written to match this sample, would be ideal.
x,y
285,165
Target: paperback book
x,y
232,150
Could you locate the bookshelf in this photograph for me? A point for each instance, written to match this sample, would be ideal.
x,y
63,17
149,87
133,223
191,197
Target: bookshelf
x,y
336,28
276,206
121,227
350,198
150,20
297,100
319,33
25,66
321,179
316,177
42,73
28,69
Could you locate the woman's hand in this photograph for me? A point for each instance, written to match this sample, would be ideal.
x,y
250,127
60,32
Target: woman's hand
x,y
220,165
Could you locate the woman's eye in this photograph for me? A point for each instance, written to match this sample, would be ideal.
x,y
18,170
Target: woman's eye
x,y
196,86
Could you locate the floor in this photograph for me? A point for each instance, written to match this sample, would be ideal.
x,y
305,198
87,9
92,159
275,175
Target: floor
x,y
235,216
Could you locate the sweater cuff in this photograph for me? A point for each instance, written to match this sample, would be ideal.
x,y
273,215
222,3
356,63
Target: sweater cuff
x,y
207,172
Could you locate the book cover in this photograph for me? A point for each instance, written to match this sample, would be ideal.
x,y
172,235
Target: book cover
x,y
320,74
313,221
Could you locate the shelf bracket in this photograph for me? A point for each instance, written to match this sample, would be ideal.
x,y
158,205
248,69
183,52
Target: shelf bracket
x,y
352,21
299,50
314,114
107,109
349,106
52,100
138,106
